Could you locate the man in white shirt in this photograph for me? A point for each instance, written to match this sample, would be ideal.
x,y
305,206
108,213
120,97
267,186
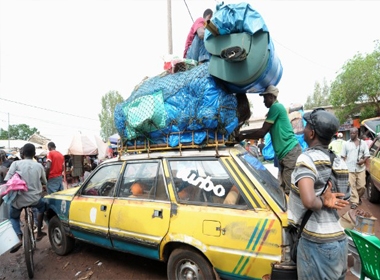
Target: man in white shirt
x,y
355,152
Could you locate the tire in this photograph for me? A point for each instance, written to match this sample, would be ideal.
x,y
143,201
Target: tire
x,y
372,192
189,264
28,250
61,243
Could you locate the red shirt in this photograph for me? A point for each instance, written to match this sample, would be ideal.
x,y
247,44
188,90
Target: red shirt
x,y
57,160
200,22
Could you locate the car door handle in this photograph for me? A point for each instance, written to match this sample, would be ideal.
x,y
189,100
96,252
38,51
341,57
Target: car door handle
x,y
103,207
222,230
157,214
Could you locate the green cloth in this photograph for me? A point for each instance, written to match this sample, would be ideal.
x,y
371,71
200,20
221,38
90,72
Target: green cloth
x,y
145,114
281,131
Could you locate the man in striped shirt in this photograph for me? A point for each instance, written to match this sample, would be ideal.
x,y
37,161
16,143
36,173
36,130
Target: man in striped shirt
x,y
322,248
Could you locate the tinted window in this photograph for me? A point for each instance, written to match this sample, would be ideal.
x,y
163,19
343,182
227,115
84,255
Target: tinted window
x,y
205,181
103,182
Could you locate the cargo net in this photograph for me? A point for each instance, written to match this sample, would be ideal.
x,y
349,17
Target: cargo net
x,y
172,109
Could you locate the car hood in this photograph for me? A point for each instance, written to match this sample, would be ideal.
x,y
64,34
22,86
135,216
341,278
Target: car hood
x,y
65,193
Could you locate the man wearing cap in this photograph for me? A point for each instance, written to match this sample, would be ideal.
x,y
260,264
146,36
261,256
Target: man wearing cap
x,y
337,145
322,248
285,144
355,152
54,168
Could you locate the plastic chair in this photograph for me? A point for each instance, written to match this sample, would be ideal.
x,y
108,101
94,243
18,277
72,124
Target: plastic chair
x,y
368,247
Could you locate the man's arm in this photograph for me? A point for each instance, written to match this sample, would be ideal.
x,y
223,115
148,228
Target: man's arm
x,y
307,194
48,167
315,203
43,177
366,154
201,32
255,133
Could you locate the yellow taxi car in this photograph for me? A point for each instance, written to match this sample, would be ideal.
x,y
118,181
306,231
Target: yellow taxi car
x,y
207,213
373,172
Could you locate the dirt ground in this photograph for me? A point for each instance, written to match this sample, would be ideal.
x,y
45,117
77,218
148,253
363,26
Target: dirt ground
x,y
85,262
91,262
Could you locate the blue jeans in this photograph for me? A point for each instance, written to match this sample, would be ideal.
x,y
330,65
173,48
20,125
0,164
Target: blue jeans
x,y
54,185
197,50
15,213
322,260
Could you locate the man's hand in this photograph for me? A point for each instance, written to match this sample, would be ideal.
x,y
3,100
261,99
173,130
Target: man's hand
x,y
332,200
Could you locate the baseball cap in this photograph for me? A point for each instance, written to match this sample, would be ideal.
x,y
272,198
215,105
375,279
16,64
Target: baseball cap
x,y
323,123
270,90
340,135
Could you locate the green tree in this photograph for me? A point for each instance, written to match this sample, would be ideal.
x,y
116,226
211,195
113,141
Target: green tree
x,y
319,97
3,134
106,116
21,131
356,90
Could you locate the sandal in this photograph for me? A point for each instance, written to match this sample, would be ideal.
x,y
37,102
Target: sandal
x,y
40,235
15,248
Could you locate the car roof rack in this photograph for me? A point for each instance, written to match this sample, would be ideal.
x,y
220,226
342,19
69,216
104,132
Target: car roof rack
x,y
145,145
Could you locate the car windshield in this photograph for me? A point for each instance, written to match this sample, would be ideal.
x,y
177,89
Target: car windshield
x,y
264,176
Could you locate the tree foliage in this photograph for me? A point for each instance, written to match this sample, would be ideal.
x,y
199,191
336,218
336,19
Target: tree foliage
x,y
3,134
19,132
356,89
319,97
106,116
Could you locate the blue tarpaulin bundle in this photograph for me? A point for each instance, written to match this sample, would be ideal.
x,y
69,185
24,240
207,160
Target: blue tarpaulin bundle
x,y
241,29
189,101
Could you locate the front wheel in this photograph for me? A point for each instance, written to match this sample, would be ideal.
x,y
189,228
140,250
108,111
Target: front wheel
x,y
60,242
186,264
372,192
28,250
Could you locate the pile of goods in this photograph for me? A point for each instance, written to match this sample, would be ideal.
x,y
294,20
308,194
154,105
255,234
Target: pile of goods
x,y
169,108
196,104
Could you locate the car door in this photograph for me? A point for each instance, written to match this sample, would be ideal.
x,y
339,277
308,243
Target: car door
x,y
215,213
140,214
374,168
90,209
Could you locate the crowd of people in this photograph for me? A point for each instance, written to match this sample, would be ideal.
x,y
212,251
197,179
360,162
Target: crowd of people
x,y
305,176
41,176
313,183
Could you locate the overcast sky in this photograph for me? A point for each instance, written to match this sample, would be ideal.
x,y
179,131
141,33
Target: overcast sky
x,y
59,57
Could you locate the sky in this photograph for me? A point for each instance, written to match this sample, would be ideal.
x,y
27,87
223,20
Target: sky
x,y
59,57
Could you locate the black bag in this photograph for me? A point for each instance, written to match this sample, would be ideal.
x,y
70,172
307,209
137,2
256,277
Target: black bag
x,y
295,235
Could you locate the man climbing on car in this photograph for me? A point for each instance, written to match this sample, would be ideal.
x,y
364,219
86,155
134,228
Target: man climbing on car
x,y
285,144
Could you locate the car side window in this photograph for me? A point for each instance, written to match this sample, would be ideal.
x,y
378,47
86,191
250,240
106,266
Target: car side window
x,y
375,148
205,181
143,180
103,182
